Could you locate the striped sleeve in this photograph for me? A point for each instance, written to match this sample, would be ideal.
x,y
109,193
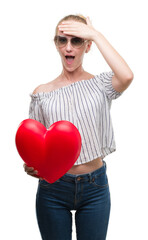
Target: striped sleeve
x,y
35,110
106,79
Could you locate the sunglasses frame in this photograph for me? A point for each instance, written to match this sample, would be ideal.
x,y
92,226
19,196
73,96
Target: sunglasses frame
x,y
55,40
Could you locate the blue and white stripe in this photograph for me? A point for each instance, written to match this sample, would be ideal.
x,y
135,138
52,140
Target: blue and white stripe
x,y
86,104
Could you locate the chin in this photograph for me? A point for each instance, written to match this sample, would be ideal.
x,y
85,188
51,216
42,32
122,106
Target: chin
x,y
69,69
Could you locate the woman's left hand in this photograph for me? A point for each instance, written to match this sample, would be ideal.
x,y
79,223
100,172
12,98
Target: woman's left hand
x,y
78,29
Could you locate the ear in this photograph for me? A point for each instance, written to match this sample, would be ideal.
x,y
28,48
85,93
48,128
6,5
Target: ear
x,y
56,47
88,46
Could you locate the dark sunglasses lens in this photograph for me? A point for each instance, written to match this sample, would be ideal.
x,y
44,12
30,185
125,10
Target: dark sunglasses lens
x,y
77,42
61,41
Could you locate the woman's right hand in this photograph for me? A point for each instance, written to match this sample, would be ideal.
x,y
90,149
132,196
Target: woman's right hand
x,y
30,171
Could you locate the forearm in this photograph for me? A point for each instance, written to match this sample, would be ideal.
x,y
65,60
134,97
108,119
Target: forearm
x,y
112,57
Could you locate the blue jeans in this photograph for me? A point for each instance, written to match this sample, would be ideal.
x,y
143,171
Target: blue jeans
x,y
88,194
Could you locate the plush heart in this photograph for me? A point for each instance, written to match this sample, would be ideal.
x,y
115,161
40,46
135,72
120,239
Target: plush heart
x,y
52,152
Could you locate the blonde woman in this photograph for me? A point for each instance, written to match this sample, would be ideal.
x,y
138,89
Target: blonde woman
x,y
83,99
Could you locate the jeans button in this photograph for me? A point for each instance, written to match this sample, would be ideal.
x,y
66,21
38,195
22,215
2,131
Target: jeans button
x,y
78,178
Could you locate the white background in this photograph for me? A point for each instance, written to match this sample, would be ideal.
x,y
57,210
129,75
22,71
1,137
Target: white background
x,y
28,58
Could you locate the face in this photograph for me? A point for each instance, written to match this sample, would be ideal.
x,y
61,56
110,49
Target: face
x,y
71,56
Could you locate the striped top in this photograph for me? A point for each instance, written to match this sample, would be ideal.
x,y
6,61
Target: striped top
x,y
86,104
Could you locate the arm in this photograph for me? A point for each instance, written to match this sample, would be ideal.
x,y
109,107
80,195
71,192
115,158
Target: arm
x,y
123,75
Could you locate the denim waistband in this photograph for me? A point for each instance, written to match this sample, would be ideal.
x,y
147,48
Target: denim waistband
x,y
84,177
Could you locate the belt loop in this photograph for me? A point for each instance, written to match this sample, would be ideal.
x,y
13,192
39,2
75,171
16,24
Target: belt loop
x,y
104,164
90,177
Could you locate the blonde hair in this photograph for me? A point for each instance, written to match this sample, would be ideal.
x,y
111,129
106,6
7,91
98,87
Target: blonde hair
x,y
78,18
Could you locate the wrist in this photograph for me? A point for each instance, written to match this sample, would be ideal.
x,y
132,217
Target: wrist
x,y
97,35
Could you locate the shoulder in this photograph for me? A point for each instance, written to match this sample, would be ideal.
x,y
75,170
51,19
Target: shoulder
x,y
39,88
47,87
44,87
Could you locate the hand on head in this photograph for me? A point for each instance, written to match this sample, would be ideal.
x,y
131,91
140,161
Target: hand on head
x,y
76,28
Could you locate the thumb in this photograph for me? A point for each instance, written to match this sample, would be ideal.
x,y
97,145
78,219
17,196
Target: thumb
x,y
88,21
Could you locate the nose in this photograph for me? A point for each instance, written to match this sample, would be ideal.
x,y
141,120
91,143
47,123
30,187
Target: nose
x,y
68,45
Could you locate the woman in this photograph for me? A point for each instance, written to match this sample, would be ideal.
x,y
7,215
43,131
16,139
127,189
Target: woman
x,y
85,100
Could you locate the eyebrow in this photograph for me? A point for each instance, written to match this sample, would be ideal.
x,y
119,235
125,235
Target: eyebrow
x,y
67,35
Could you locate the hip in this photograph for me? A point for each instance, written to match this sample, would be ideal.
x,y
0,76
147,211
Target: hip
x,y
76,190
86,167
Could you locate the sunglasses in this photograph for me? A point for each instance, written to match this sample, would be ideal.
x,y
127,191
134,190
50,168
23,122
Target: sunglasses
x,y
62,41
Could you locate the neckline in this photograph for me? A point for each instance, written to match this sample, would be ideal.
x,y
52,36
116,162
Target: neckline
x,y
58,89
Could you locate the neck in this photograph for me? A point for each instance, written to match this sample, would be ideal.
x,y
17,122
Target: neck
x,y
73,76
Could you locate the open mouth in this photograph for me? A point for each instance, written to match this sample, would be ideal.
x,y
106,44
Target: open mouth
x,y
69,59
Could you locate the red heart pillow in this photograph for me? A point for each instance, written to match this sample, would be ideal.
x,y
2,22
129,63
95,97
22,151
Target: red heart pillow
x,y
51,152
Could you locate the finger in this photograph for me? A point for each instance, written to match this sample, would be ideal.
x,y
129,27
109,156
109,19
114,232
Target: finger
x,y
33,175
88,21
60,27
70,33
33,172
26,167
68,30
29,169
69,22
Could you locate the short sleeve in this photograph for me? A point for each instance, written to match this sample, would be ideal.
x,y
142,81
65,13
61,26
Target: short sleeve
x,y
35,109
106,80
